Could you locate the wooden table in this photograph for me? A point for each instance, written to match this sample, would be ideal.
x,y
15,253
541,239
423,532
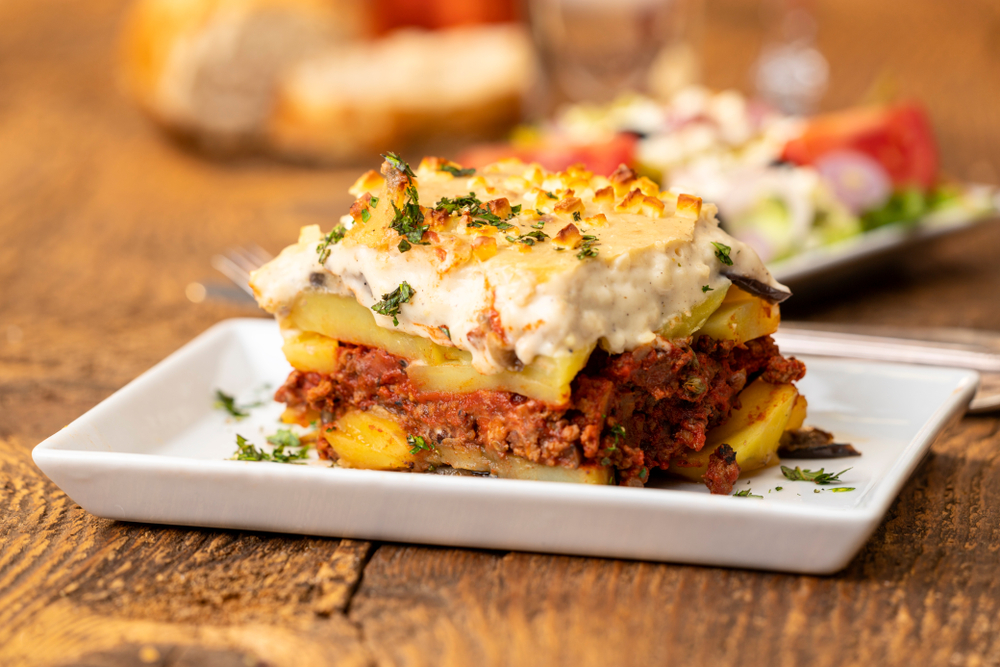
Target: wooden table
x,y
102,226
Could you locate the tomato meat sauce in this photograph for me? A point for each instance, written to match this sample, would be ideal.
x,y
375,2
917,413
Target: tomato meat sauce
x,y
633,411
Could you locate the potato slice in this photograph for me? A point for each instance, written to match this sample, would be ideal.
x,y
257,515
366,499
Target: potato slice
x,y
516,467
374,441
308,351
685,325
443,369
741,317
370,440
798,416
342,318
546,378
754,431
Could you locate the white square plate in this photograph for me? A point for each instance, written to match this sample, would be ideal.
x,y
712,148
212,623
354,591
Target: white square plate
x,y
157,451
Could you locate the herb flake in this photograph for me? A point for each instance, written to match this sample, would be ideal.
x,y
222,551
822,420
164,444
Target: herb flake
x,y
408,221
335,236
458,172
417,444
398,163
283,440
224,401
480,215
722,252
393,301
797,474
587,248
529,238
745,493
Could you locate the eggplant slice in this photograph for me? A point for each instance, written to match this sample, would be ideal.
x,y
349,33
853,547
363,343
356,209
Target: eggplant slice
x,y
757,288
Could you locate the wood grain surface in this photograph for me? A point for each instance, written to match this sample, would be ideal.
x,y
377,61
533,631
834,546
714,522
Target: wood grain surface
x,y
103,224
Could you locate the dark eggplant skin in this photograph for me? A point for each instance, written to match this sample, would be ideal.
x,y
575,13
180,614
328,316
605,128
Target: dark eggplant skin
x,y
834,450
757,288
813,443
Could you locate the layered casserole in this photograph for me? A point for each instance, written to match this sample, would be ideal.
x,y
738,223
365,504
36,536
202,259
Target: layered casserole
x,y
526,324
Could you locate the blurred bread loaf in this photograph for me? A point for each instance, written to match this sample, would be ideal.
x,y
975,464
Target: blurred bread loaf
x,y
412,85
304,79
208,69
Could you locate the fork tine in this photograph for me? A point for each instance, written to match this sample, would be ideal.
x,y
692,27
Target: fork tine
x,y
259,254
233,271
239,262
242,258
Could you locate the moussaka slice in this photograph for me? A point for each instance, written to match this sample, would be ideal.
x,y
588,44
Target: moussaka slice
x,y
533,325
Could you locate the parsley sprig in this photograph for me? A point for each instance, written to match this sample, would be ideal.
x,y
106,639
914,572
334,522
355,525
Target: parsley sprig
x,y
587,248
335,236
797,474
224,401
457,172
393,301
722,252
284,442
398,163
417,443
479,213
409,221
529,238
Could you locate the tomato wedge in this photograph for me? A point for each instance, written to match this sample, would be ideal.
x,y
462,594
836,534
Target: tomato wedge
x,y
898,137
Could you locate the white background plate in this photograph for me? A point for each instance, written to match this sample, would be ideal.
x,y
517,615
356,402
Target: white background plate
x,y
156,451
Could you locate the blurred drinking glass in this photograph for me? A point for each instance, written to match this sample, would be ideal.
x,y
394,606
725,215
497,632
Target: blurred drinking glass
x,y
791,73
596,50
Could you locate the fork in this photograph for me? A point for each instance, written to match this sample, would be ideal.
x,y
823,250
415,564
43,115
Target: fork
x,y
238,263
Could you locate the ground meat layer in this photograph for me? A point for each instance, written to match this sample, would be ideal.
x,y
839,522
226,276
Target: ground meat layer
x,y
633,411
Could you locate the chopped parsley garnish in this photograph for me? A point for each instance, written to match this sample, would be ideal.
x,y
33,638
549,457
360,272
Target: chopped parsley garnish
x,y
706,288
365,215
224,401
284,438
539,225
550,195
479,213
576,216
393,301
779,488
458,203
841,489
797,474
618,431
417,443
408,221
722,252
529,238
456,171
745,493
373,202
246,451
335,236
445,330
587,248
398,163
